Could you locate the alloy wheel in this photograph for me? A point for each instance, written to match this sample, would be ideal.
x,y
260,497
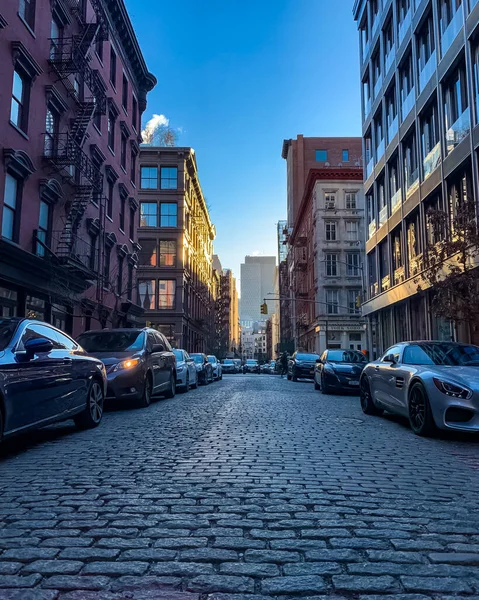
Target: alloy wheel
x,y
95,402
417,408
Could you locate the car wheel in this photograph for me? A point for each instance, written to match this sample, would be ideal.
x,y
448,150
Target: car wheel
x,y
91,416
195,385
145,399
295,375
171,391
187,384
367,404
324,386
317,387
288,377
419,409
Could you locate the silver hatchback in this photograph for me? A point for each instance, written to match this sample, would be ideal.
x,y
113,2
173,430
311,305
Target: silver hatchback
x,y
434,384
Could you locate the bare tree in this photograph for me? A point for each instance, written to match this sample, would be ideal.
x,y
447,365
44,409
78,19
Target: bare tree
x,y
157,132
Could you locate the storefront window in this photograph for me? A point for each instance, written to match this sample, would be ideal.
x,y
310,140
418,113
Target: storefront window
x,y
8,302
35,308
418,319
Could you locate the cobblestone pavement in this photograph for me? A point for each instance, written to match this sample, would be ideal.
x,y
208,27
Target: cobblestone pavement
x,y
251,488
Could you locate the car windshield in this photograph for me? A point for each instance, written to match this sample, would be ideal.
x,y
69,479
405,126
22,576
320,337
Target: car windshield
x,y
112,341
198,358
306,356
346,356
178,354
212,359
7,329
228,361
251,362
445,353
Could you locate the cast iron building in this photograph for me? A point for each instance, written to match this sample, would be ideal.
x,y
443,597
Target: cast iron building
x,y
176,284
419,73
74,87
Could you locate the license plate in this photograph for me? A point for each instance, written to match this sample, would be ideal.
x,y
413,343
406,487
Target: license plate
x,y
353,382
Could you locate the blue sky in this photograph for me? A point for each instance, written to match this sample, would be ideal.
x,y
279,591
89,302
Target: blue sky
x,y
239,76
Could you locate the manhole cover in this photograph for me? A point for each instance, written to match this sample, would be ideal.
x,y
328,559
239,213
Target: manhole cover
x,y
339,420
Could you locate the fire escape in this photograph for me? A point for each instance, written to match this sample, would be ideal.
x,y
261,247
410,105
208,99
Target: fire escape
x,y
70,61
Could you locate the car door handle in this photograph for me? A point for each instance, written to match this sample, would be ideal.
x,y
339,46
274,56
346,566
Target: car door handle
x,y
377,367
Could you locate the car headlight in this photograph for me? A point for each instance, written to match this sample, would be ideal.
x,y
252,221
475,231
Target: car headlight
x,y
127,364
329,369
180,368
451,389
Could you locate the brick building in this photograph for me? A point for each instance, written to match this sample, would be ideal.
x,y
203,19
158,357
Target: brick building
x,y
176,280
227,316
74,89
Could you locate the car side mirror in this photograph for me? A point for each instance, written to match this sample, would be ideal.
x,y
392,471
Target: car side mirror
x,y
158,348
390,359
37,346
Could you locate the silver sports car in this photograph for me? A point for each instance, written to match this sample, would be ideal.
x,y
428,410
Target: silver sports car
x,y
434,384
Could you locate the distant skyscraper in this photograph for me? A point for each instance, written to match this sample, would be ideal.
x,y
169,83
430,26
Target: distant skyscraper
x,y
257,281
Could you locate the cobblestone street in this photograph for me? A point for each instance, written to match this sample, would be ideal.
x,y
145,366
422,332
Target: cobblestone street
x,y
251,488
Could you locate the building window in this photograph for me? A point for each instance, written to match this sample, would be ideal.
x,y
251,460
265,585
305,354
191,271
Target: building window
x,y
148,214
406,79
134,110
450,22
332,302
431,153
10,208
129,290
391,113
19,108
119,282
330,201
167,253
352,231
132,223
106,267
109,203
51,130
43,228
148,253
169,178
124,141
456,108
351,200
331,265
133,167
411,171
426,52
149,178
111,132
99,48
147,293
93,258
353,301
124,93
345,155
112,67
321,155
166,294
330,231
122,213
26,10
353,262
169,214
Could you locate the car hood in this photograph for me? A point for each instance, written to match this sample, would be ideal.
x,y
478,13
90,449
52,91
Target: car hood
x,y
112,358
468,376
347,368
180,363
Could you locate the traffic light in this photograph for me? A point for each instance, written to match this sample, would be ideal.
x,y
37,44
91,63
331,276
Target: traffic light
x,y
264,309
358,301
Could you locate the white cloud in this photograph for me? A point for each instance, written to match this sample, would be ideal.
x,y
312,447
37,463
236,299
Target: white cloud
x,y
153,123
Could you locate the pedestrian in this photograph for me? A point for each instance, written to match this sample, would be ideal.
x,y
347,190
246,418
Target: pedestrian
x,y
284,364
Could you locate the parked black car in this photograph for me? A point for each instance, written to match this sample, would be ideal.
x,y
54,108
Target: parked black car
x,y
229,366
251,366
46,377
139,362
339,370
302,365
203,367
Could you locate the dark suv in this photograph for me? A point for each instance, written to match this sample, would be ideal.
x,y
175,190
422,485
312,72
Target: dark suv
x,y
139,362
302,364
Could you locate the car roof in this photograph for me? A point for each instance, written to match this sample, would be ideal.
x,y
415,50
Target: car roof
x,y
419,342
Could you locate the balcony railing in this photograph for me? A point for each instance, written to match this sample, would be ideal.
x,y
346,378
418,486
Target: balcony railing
x,y
399,275
404,26
427,71
412,181
408,103
458,131
74,253
383,215
449,34
380,150
396,200
432,160
372,228
389,59
392,129
367,107
369,167
385,283
377,86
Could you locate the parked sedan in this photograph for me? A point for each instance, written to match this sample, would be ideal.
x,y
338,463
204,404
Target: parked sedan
x,y
139,362
251,366
229,366
217,368
46,377
186,374
302,365
434,384
339,370
204,368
